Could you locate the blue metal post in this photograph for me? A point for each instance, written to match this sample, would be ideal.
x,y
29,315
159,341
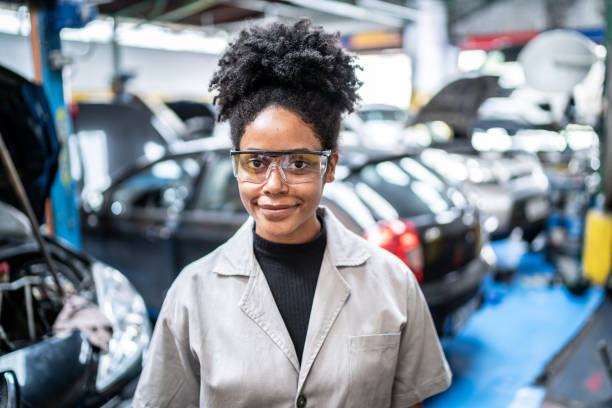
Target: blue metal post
x,y
66,13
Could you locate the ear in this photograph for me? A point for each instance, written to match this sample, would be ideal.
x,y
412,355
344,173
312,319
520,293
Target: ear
x,y
331,167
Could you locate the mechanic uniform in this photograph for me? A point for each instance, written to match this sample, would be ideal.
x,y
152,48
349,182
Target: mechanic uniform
x,y
221,341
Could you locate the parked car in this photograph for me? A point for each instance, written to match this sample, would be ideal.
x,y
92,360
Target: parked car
x,y
510,188
109,137
40,367
568,152
159,216
507,185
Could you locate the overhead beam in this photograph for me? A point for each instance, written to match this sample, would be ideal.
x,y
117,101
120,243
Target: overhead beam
x,y
393,9
185,11
297,10
350,11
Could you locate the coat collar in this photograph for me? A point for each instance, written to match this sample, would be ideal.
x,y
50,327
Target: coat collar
x,y
236,257
344,248
332,291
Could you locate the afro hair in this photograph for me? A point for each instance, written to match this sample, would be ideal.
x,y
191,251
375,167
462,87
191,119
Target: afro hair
x,y
298,67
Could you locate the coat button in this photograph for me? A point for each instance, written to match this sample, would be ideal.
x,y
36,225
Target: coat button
x,y
301,402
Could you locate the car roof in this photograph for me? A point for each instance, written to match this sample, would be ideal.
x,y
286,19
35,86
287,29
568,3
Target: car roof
x,y
356,158
380,106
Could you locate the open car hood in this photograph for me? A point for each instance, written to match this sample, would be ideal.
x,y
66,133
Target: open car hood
x,y
457,103
28,130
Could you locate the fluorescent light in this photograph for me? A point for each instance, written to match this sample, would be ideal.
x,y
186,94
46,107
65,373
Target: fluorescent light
x,y
15,22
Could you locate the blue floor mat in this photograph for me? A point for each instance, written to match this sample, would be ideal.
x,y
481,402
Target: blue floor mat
x,y
506,345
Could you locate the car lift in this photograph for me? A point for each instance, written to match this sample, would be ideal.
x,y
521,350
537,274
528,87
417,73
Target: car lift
x,y
47,19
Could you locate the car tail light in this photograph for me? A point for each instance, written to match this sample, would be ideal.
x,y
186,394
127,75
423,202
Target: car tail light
x,y
399,237
74,110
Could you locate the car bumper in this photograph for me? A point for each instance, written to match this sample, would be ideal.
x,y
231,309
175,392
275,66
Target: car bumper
x,y
527,213
456,285
458,290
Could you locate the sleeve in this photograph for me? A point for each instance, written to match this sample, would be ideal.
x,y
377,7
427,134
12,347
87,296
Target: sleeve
x,y
170,374
422,369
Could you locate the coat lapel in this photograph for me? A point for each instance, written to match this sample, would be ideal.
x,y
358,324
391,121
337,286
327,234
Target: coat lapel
x,y
258,303
332,292
330,296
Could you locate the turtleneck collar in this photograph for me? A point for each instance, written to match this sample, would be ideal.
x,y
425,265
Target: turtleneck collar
x,y
281,250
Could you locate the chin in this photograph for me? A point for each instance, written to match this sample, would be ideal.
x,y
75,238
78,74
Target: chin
x,y
278,229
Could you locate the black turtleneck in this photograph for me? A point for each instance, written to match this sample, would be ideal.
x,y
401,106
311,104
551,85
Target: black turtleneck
x,y
292,271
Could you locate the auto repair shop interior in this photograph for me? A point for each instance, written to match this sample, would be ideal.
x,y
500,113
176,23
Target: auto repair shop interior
x,y
480,154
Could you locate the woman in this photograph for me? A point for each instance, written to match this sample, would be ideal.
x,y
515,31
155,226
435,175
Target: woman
x,y
294,309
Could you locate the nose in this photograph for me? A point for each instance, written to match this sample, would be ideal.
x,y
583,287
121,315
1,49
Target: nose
x,y
274,182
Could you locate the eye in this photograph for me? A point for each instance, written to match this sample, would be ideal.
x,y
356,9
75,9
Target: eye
x,y
256,163
300,164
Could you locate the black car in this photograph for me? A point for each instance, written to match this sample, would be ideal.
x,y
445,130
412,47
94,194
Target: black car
x,y
157,217
39,366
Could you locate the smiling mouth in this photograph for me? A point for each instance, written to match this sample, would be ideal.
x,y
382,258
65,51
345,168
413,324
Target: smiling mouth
x,y
277,211
276,207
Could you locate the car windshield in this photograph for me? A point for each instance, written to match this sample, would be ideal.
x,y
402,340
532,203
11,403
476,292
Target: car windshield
x,y
219,192
407,186
163,185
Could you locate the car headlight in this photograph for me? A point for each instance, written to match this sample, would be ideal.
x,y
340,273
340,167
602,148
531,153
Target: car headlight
x,y
127,312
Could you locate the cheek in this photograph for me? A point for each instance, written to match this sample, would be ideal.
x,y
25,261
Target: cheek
x,y
311,194
247,193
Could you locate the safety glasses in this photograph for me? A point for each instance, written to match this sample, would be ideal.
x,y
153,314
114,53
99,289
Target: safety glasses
x,y
294,166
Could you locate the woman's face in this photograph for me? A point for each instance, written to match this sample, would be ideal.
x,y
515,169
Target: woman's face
x,y
283,212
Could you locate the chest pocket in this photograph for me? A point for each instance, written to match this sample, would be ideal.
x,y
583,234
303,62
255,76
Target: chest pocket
x,y
372,362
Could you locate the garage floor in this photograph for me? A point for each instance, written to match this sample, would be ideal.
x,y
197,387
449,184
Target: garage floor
x,y
576,377
506,345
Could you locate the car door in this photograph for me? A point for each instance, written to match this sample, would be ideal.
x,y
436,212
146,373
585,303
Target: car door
x,y
135,230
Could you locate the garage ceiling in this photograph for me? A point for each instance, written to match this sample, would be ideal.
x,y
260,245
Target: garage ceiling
x,y
346,16
227,14
216,12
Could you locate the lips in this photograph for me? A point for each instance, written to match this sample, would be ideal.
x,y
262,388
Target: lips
x,y
276,211
275,207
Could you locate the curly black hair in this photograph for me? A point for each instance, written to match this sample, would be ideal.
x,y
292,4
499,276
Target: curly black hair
x,y
299,67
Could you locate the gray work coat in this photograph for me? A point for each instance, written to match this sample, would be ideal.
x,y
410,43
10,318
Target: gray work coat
x,y
221,342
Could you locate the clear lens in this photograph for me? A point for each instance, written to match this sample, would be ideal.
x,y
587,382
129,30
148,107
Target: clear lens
x,y
294,168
